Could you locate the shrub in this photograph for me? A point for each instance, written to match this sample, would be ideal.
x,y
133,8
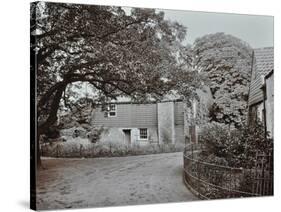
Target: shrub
x,y
215,138
238,147
95,134
213,174
78,147
52,133
216,160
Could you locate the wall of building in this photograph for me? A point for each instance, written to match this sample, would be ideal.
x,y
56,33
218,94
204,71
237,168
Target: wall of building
x,y
179,134
179,110
179,113
128,115
113,134
255,94
269,105
117,135
166,122
152,136
256,113
263,63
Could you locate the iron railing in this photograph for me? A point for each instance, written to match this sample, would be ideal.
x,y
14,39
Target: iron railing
x,y
212,181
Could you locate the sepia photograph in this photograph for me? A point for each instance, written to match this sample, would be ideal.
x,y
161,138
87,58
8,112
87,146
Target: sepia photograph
x,y
133,106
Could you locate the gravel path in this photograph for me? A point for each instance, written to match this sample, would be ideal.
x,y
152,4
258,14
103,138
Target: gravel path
x,y
97,182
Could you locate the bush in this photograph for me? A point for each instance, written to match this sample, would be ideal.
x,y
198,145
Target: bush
x,y
52,133
78,147
238,147
213,174
216,160
215,138
95,134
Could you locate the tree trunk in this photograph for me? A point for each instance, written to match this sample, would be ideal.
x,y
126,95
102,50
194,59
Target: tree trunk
x,y
52,118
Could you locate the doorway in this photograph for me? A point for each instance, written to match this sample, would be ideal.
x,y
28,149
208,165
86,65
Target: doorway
x,y
127,136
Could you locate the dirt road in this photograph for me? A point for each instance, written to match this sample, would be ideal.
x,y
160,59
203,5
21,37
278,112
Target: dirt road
x,y
97,182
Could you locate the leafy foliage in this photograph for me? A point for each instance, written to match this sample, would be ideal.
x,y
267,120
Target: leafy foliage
x,y
95,134
238,147
227,62
115,53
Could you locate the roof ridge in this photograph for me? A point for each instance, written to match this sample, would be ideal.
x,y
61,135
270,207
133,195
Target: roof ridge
x,y
266,47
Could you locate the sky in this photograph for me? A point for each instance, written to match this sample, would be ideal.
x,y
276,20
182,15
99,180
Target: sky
x,y
256,30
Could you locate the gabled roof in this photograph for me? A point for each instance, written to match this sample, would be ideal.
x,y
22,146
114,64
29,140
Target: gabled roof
x,y
264,60
263,63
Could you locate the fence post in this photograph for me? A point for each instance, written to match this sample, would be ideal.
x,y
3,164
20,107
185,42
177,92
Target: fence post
x,y
198,178
255,183
271,173
263,174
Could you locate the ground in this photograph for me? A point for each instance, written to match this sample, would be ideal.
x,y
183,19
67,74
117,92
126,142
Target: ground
x,y
97,182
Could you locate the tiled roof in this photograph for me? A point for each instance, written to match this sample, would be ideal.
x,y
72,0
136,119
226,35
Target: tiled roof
x,y
263,64
264,60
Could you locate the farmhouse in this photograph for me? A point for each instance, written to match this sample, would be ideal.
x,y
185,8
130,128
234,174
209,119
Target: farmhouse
x,y
261,95
147,123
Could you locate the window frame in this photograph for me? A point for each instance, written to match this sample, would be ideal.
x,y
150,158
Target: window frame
x,y
143,139
109,110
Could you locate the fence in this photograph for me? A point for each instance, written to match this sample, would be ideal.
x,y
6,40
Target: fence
x,y
212,181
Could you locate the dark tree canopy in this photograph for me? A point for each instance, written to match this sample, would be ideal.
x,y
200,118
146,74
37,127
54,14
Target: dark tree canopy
x,y
114,52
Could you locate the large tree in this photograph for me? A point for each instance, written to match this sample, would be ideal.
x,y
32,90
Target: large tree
x,y
227,62
117,53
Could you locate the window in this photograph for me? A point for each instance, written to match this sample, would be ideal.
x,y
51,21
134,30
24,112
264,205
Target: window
x,y
143,134
110,110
